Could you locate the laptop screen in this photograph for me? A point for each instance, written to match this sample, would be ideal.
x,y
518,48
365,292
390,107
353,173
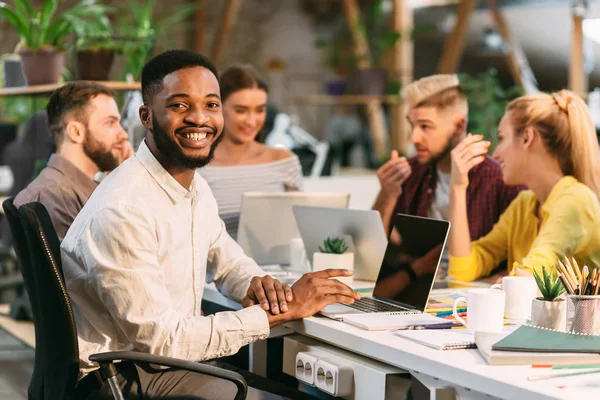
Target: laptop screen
x,y
416,243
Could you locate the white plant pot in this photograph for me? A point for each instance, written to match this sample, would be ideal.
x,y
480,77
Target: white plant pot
x,y
323,261
549,314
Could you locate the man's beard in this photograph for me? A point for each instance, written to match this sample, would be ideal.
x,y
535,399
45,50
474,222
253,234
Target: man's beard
x,y
169,148
104,159
443,154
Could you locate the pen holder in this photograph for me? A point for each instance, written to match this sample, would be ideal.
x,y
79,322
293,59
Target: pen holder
x,y
583,314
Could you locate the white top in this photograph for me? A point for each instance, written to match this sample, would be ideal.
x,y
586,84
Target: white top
x,y
440,209
229,183
136,261
440,206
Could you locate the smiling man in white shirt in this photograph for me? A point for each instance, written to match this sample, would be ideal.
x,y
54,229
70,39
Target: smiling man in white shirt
x,y
139,254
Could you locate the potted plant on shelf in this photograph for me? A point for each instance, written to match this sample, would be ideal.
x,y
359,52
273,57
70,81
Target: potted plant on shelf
x,y
42,35
95,46
139,30
334,254
548,311
338,57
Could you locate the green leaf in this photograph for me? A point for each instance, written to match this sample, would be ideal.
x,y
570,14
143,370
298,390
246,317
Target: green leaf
x,y
17,20
48,10
540,283
24,8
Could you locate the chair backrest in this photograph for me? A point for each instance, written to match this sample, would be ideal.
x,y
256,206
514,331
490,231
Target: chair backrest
x,y
59,348
36,387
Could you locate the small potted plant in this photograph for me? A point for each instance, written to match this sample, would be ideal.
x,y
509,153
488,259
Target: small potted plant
x,y
333,254
548,311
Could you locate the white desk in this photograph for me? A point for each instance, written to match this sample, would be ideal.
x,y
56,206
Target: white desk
x,y
463,369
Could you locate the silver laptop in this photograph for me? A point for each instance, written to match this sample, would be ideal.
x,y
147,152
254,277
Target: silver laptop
x,y
413,238
363,226
267,222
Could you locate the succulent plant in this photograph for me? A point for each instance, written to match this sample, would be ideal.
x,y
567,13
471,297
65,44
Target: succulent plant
x,y
334,245
549,284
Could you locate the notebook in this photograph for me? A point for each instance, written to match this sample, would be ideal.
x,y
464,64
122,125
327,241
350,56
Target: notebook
x,y
441,339
534,339
388,322
485,341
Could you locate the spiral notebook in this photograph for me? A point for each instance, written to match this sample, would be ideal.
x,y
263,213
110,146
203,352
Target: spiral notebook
x,y
530,345
441,339
536,339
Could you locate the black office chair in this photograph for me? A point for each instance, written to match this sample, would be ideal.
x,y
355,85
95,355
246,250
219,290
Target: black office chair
x,y
35,389
58,348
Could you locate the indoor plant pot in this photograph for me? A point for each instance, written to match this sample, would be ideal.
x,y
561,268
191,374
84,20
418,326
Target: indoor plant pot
x,y
336,86
372,81
323,261
549,310
43,66
548,314
94,65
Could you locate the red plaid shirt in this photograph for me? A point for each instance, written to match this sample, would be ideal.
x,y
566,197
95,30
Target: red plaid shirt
x,y
487,195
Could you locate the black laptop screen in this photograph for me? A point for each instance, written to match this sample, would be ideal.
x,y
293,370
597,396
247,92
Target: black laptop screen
x,y
415,244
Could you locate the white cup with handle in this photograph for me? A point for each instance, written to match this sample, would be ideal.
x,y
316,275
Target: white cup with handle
x,y
485,310
520,291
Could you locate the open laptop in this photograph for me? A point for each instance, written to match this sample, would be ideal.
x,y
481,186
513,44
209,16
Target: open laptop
x,y
267,222
363,226
415,238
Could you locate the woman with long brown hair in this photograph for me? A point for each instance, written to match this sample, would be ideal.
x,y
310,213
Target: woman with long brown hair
x,y
241,163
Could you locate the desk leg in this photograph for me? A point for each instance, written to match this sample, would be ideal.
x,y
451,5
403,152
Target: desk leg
x,y
258,358
427,387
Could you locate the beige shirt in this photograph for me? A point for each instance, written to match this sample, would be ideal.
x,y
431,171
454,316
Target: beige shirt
x,y
62,188
136,261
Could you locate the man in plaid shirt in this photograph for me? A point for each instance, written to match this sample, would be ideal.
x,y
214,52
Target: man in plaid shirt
x,y
421,185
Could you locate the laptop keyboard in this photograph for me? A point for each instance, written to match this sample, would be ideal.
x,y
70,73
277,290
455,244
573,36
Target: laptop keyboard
x,y
370,305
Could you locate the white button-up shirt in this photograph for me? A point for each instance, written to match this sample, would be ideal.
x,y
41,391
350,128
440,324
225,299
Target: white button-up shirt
x,y
136,260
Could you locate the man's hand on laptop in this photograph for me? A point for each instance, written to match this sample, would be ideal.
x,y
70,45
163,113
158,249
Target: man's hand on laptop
x,y
313,292
271,294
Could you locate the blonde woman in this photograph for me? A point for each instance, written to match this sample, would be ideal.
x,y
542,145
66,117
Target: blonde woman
x,y
548,143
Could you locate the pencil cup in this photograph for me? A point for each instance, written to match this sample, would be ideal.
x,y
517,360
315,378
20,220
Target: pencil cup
x,y
583,314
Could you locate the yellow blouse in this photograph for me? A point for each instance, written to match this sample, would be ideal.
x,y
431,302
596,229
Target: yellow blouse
x,y
570,227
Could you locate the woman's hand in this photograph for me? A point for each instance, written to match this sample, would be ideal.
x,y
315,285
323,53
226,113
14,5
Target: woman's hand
x,y
467,154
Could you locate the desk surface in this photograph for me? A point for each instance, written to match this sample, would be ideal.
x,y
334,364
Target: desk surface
x,y
464,368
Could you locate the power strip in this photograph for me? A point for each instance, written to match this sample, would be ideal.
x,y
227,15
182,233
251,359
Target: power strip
x,y
339,372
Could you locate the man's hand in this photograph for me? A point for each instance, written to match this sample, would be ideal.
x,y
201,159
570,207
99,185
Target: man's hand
x,y
315,291
392,175
271,294
467,154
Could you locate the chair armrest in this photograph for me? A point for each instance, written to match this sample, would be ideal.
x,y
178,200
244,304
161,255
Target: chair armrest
x,y
110,357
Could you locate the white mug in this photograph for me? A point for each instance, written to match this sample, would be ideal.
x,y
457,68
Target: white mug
x,y
485,310
520,291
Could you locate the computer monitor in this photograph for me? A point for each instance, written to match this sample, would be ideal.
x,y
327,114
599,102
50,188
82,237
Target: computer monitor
x,y
363,226
267,222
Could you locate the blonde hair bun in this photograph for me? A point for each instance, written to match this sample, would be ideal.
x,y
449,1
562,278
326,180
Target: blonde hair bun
x,y
563,99
425,88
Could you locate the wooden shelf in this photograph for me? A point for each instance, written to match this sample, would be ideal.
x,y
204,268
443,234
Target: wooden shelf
x,y
40,89
343,99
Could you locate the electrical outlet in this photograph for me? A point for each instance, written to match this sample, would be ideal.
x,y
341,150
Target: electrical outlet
x,y
305,368
336,380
